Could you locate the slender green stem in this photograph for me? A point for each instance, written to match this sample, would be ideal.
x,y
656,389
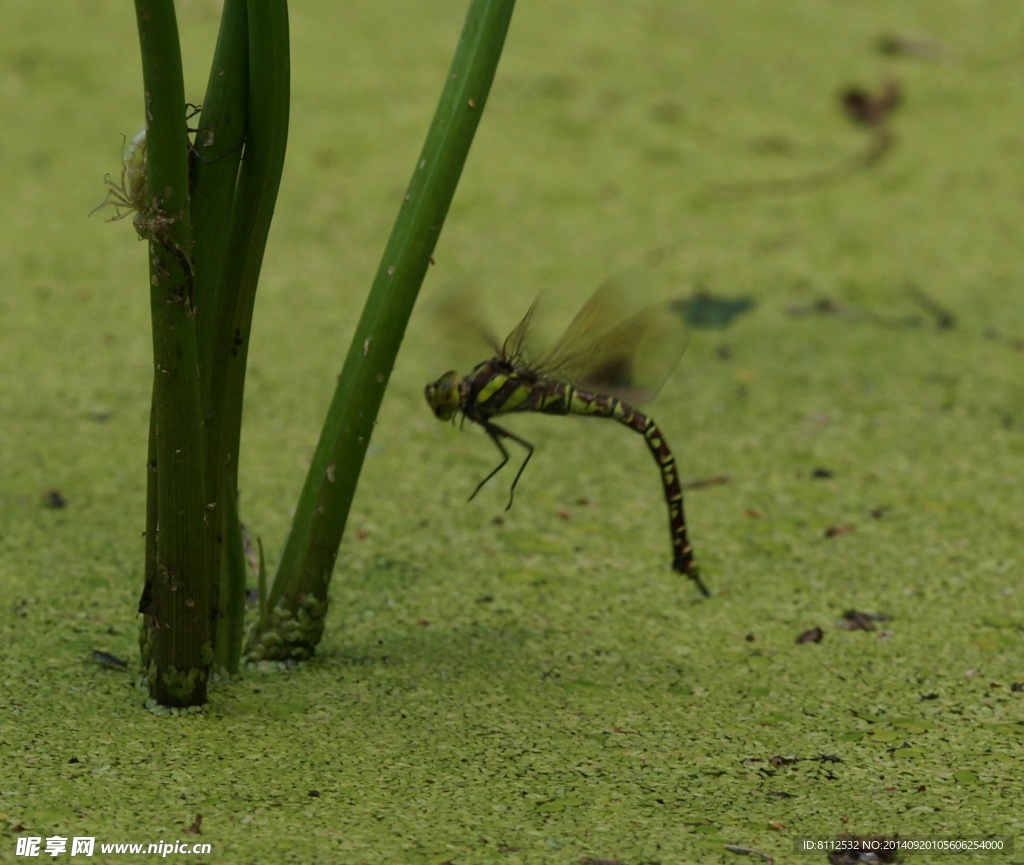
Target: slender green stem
x,y
309,555
216,154
229,624
146,636
177,623
259,178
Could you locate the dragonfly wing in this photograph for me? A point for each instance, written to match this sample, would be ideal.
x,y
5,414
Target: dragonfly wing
x,y
634,360
456,314
630,358
596,317
512,348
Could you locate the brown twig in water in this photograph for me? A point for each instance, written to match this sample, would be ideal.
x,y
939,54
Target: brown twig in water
x,y
944,319
827,306
866,109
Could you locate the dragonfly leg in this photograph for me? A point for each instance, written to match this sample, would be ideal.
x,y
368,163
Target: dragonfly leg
x,y
496,434
496,438
519,474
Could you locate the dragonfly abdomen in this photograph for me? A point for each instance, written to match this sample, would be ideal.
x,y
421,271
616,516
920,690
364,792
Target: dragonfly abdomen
x,y
597,405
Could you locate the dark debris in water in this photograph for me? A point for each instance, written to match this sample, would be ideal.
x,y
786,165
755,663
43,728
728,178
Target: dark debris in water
x,y
916,45
749,851
856,620
930,312
710,311
704,483
871,109
105,659
54,499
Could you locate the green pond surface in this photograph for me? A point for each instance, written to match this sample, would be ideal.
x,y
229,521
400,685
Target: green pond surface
x,y
538,686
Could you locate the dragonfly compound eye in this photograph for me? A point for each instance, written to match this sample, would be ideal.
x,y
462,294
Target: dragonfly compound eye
x,y
443,395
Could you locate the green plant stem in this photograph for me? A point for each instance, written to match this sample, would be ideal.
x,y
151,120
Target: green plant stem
x,y
312,547
216,154
178,619
146,644
259,179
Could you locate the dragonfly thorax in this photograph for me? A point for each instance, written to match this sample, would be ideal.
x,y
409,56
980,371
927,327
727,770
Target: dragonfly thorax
x,y
443,395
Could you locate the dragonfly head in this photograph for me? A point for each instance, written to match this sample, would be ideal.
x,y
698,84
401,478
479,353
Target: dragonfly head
x,y
443,395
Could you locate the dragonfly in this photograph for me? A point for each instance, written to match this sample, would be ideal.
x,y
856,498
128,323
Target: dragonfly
x,y
601,367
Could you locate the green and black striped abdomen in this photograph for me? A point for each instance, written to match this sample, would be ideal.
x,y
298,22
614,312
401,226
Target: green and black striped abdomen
x,y
608,406
495,388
